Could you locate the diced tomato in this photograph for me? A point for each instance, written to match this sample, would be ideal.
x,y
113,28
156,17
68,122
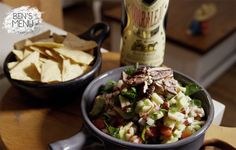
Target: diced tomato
x,y
166,105
165,131
186,122
152,132
186,133
99,123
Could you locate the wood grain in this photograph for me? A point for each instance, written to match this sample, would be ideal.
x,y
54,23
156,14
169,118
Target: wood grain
x,y
225,134
109,63
30,127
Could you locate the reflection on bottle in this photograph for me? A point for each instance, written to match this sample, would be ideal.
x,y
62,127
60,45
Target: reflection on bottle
x,y
143,34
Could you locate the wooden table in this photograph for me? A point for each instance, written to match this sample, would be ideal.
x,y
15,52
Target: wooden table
x,y
24,126
221,26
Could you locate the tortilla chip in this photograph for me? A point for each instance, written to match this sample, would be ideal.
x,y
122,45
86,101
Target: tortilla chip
x,y
32,58
32,72
47,44
43,60
63,57
21,76
73,42
51,59
28,42
47,40
50,72
27,52
19,54
86,68
38,49
12,64
58,38
18,72
70,71
41,36
38,67
49,53
54,55
76,55
21,44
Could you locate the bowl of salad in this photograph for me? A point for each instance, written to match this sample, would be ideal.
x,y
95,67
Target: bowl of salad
x,y
147,108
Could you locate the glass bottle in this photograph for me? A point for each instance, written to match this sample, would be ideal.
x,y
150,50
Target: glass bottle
x,y
143,36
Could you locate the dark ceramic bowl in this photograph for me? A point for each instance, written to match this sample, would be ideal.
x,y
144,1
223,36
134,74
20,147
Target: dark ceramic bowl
x,y
64,91
193,142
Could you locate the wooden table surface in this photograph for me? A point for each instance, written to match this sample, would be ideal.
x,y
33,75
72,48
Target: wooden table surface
x,y
24,126
221,26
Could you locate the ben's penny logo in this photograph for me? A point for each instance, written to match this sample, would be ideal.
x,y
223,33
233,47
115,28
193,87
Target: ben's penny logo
x,y
23,20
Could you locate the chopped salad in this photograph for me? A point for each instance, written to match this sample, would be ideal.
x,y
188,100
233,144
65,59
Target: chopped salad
x,y
147,106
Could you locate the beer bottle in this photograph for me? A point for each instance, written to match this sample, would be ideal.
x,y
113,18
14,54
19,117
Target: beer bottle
x,y
142,32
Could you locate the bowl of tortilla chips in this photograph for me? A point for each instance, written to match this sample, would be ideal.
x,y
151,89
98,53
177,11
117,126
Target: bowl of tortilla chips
x,y
56,68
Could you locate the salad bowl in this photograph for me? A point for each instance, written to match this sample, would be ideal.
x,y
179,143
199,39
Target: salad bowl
x,y
193,142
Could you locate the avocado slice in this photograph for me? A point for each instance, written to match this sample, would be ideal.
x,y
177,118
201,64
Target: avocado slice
x,y
98,106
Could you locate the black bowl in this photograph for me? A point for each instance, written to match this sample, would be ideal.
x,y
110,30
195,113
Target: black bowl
x,y
78,141
194,142
64,91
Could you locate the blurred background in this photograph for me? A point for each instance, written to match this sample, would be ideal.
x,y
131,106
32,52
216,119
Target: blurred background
x,y
209,58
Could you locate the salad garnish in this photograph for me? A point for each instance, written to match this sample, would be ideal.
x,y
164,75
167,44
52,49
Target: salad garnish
x,y
148,106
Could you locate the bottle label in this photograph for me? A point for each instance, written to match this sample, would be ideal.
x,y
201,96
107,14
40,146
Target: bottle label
x,y
143,38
